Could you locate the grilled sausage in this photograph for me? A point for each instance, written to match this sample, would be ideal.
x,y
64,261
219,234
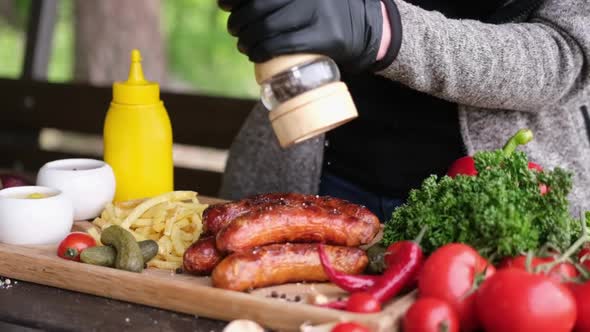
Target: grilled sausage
x,y
201,257
355,210
279,224
217,216
283,263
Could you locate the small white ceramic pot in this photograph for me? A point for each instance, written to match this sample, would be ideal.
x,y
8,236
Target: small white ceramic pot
x,y
33,221
89,183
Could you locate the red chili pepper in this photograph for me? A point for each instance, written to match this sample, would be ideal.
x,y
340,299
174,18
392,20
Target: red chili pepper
x,y
463,166
348,282
466,165
404,262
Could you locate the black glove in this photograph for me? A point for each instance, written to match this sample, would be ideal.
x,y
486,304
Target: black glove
x,y
348,31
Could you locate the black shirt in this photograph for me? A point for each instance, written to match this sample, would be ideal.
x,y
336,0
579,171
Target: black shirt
x,y
401,135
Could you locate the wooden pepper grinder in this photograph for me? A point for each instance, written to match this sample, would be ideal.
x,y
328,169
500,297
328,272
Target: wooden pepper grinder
x,y
304,95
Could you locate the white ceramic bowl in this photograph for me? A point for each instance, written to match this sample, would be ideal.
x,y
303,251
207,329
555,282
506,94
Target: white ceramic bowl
x,y
89,183
31,221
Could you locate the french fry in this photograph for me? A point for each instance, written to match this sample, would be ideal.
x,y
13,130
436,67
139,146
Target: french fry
x,y
95,235
145,231
159,227
144,206
143,221
156,210
165,245
186,237
177,243
168,228
172,258
182,223
166,265
173,220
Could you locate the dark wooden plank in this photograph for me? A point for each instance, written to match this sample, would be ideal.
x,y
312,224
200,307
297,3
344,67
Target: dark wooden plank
x,y
39,40
8,327
204,182
53,309
197,120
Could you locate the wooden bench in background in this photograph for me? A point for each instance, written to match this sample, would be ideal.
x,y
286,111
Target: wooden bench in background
x,y
30,104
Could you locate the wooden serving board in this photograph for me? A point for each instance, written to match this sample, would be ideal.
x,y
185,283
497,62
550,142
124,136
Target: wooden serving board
x,y
193,295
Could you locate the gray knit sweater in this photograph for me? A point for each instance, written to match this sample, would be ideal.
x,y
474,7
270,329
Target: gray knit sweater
x,y
533,74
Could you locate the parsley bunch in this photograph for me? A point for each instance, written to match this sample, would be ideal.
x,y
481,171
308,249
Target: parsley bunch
x,y
500,212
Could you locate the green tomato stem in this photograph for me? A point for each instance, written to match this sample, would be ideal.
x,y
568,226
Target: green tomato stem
x,y
529,261
566,255
522,137
421,235
71,252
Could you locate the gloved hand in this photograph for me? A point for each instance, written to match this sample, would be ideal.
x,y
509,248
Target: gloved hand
x,y
348,31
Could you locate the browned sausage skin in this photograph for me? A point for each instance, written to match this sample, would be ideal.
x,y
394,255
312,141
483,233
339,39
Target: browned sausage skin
x,y
304,223
217,216
283,263
201,257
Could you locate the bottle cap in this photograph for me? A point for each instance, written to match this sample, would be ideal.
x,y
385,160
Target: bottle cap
x,y
136,90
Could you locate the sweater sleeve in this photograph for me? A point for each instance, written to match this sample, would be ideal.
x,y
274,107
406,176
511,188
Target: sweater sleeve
x,y
526,66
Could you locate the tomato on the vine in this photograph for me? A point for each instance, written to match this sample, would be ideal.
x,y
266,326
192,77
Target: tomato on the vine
x,y
515,300
73,244
451,274
581,293
584,257
561,272
349,327
428,314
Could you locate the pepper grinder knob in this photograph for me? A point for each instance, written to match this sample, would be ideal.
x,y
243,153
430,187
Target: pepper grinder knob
x,y
304,95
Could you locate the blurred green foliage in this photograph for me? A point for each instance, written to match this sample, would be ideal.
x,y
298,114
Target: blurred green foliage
x,y
12,40
199,50
61,63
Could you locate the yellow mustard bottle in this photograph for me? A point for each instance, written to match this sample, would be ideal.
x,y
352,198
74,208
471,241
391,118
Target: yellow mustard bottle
x,y
138,137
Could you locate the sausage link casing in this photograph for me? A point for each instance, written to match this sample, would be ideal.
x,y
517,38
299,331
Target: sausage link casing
x,y
201,257
304,223
278,264
217,216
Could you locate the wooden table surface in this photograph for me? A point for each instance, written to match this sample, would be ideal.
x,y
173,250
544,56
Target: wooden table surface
x,y
29,307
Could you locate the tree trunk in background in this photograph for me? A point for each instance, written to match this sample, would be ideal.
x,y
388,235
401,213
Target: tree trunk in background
x,y
8,13
105,33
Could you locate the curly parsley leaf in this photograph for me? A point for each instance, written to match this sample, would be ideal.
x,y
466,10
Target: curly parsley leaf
x,y
500,212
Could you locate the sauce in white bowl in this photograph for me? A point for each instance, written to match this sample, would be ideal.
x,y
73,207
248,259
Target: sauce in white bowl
x,y
89,183
45,219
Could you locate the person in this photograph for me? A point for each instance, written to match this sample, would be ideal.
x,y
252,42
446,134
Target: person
x,y
433,80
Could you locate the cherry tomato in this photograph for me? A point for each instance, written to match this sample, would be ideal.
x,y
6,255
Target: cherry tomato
x,y
584,257
515,300
535,167
561,272
73,244
349,327
543,189
581,293
362,302
428,314
583,254
449,274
